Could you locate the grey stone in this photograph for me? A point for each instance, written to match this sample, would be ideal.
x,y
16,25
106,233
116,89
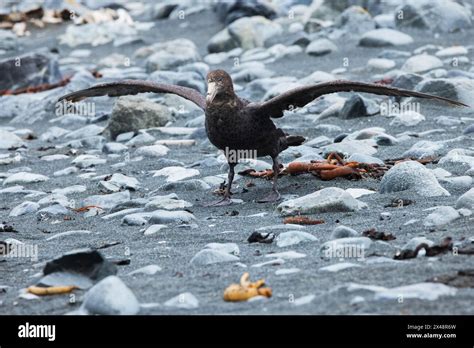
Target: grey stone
x,y
331,199
24,178
466,200
441,216
10,140
107,201
384,37
294,237
114,148
170,54
423,149
132,113
183,301
165,216
152,151
111,297
24,208
320,47
343,232
422,63
209,256
186,185
411,175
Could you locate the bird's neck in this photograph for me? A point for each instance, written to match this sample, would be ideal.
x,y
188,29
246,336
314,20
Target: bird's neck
x,y
225,100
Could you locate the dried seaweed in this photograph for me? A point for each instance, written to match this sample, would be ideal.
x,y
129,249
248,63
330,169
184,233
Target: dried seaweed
x,y
376,235
302,220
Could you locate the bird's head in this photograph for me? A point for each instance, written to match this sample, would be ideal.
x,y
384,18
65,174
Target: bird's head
x,y
219,86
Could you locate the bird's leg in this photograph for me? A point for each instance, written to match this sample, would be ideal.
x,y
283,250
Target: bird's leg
x,y
226,200
274,196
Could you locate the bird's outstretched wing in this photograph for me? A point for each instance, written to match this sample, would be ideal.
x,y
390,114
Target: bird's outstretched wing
x,y
301,96
127,87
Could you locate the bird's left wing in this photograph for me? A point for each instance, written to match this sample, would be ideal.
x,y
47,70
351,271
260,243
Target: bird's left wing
x,y
301,96
127,87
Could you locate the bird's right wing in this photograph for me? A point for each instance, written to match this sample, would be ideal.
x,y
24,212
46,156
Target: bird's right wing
x,y
127,87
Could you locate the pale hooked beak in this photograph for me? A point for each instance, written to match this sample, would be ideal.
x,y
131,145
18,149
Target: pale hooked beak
x,y
211,92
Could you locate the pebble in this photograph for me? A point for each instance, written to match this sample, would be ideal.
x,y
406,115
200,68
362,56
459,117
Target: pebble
x,y
466,200
183,301
107,201
143,139
384,37
229,248
331,199
304,300
348,147
174,173
164,217
152,151
54,158
413,176
70,190
147,270
24,178
338,267
136,219
170,54
422,63
66,171
285,271
421,291
186,185
168,202
52,210
68,233
360,157
210,256
114,148
24,208
154,229
274,262
343,232
407,118
320,47
452,51
423,149
287,255
381,64
123,182
342,248
86,131
441,216
87,161
111,296
294,237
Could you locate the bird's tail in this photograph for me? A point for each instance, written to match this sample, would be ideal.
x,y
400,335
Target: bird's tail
x,y
295,140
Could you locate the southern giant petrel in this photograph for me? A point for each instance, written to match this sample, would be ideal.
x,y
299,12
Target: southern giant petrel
x,y
236,124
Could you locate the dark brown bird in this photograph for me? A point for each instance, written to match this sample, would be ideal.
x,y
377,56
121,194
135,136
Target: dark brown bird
x,y
238,126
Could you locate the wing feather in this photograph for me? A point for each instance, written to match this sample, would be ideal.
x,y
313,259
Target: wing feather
x,y
128,87
301,96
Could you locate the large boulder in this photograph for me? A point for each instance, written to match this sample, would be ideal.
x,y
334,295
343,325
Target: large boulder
x,y
132,113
